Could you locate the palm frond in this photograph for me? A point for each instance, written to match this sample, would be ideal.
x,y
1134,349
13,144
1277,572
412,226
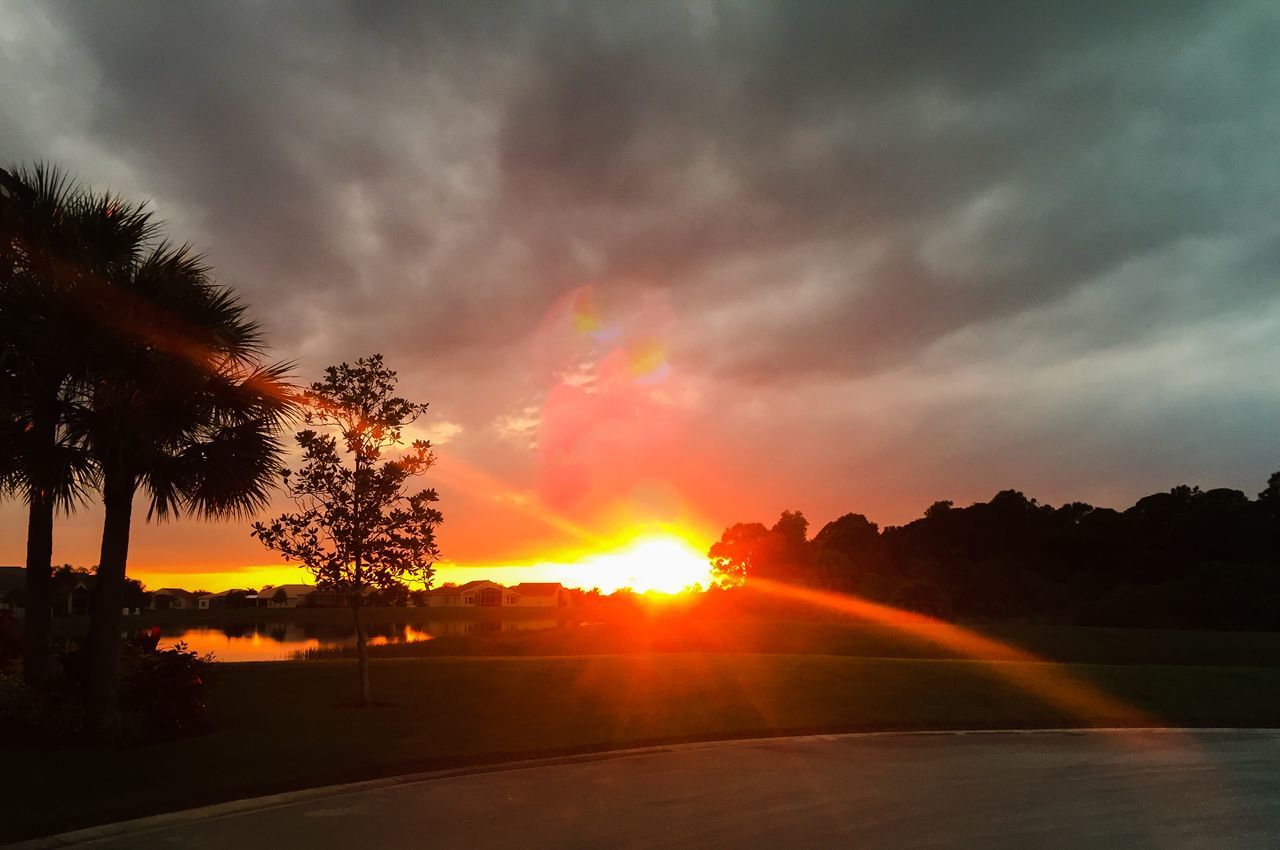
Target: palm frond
x,y
234,471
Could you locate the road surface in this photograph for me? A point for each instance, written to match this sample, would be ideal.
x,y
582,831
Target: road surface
x,y
990,790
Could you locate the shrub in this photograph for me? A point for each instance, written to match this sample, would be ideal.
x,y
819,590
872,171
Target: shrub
x,y
38,716
10,642
163,693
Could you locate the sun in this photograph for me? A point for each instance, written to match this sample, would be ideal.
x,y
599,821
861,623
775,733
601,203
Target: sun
x,y
665,563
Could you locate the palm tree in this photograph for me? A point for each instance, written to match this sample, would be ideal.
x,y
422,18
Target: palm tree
x,y
180,407
57,242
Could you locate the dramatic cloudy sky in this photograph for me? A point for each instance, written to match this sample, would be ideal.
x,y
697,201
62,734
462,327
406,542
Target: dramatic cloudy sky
x,y
702,262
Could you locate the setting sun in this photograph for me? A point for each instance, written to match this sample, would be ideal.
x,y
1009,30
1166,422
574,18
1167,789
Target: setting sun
x,y
665,561
662,563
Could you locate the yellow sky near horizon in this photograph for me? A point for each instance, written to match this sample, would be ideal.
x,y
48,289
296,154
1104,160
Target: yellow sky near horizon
x,y
666,561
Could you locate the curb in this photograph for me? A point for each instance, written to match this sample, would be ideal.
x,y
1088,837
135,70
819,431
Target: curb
x,y
150,823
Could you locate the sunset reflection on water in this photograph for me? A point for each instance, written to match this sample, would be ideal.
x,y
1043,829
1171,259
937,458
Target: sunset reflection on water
x,y
286,641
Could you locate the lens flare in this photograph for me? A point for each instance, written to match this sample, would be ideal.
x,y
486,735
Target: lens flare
x,y
1051,682
585,318
648,362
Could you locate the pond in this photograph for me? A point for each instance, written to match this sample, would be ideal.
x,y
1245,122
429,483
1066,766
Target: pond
x,y
284,641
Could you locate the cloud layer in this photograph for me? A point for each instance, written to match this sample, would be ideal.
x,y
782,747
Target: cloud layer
x,y
838,256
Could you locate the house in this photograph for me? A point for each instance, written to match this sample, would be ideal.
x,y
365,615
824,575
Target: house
x,y
489,594
227,599
173,599
284,596
13,581
70,593
542,594
330,598
473,594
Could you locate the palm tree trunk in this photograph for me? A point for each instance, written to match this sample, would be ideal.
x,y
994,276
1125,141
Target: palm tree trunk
x,y
362,654
104,627
38,623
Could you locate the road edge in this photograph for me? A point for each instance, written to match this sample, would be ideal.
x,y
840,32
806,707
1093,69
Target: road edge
x,y
150,823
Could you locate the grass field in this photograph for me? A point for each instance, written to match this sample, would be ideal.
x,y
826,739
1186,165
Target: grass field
x,y
670,630
291,725
867,640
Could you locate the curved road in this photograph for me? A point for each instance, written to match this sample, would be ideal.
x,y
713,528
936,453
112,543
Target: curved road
x,y
991,790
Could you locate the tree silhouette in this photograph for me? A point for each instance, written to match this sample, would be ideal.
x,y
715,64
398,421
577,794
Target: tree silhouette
x,y
357,530
1270,497
59,243
739,552
180,407
1184,558
750,549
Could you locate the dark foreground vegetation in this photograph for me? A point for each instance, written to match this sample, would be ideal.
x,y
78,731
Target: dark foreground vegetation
x,y
275,722
1188,558
129,374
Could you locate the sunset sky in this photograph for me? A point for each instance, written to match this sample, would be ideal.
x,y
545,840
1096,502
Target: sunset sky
x,y
660,267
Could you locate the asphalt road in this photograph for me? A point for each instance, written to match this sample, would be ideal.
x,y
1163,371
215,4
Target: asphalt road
x,y
989,790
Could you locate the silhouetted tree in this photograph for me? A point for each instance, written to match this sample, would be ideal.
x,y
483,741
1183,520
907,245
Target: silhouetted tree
x,y
59,243
179,407
739,552
1187,557
857,540
780,553
937,509
792,529
357,530
1269,498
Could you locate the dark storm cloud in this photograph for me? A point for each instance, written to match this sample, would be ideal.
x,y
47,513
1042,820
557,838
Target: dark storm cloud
x,y
826,192
852,123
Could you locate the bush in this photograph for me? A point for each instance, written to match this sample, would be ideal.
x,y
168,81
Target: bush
x,y
162,696
163,692
37,716
10,642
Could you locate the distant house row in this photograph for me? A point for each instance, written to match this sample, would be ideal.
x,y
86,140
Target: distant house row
x,y
476,594
70,594
271,596
473,594
490,594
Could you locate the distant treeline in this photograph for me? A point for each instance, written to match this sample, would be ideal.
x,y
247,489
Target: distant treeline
x,y
1188,558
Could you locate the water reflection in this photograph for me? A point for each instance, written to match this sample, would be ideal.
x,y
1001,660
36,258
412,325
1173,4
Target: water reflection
x,y
283,641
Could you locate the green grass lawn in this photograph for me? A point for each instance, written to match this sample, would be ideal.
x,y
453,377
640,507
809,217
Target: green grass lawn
x,y
677,634
291,725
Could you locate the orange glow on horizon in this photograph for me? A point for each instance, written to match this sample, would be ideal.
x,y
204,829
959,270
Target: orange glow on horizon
x,y
661,560
215,581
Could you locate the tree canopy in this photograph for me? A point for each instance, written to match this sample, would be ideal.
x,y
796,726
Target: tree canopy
x,y
357,529
1184,558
